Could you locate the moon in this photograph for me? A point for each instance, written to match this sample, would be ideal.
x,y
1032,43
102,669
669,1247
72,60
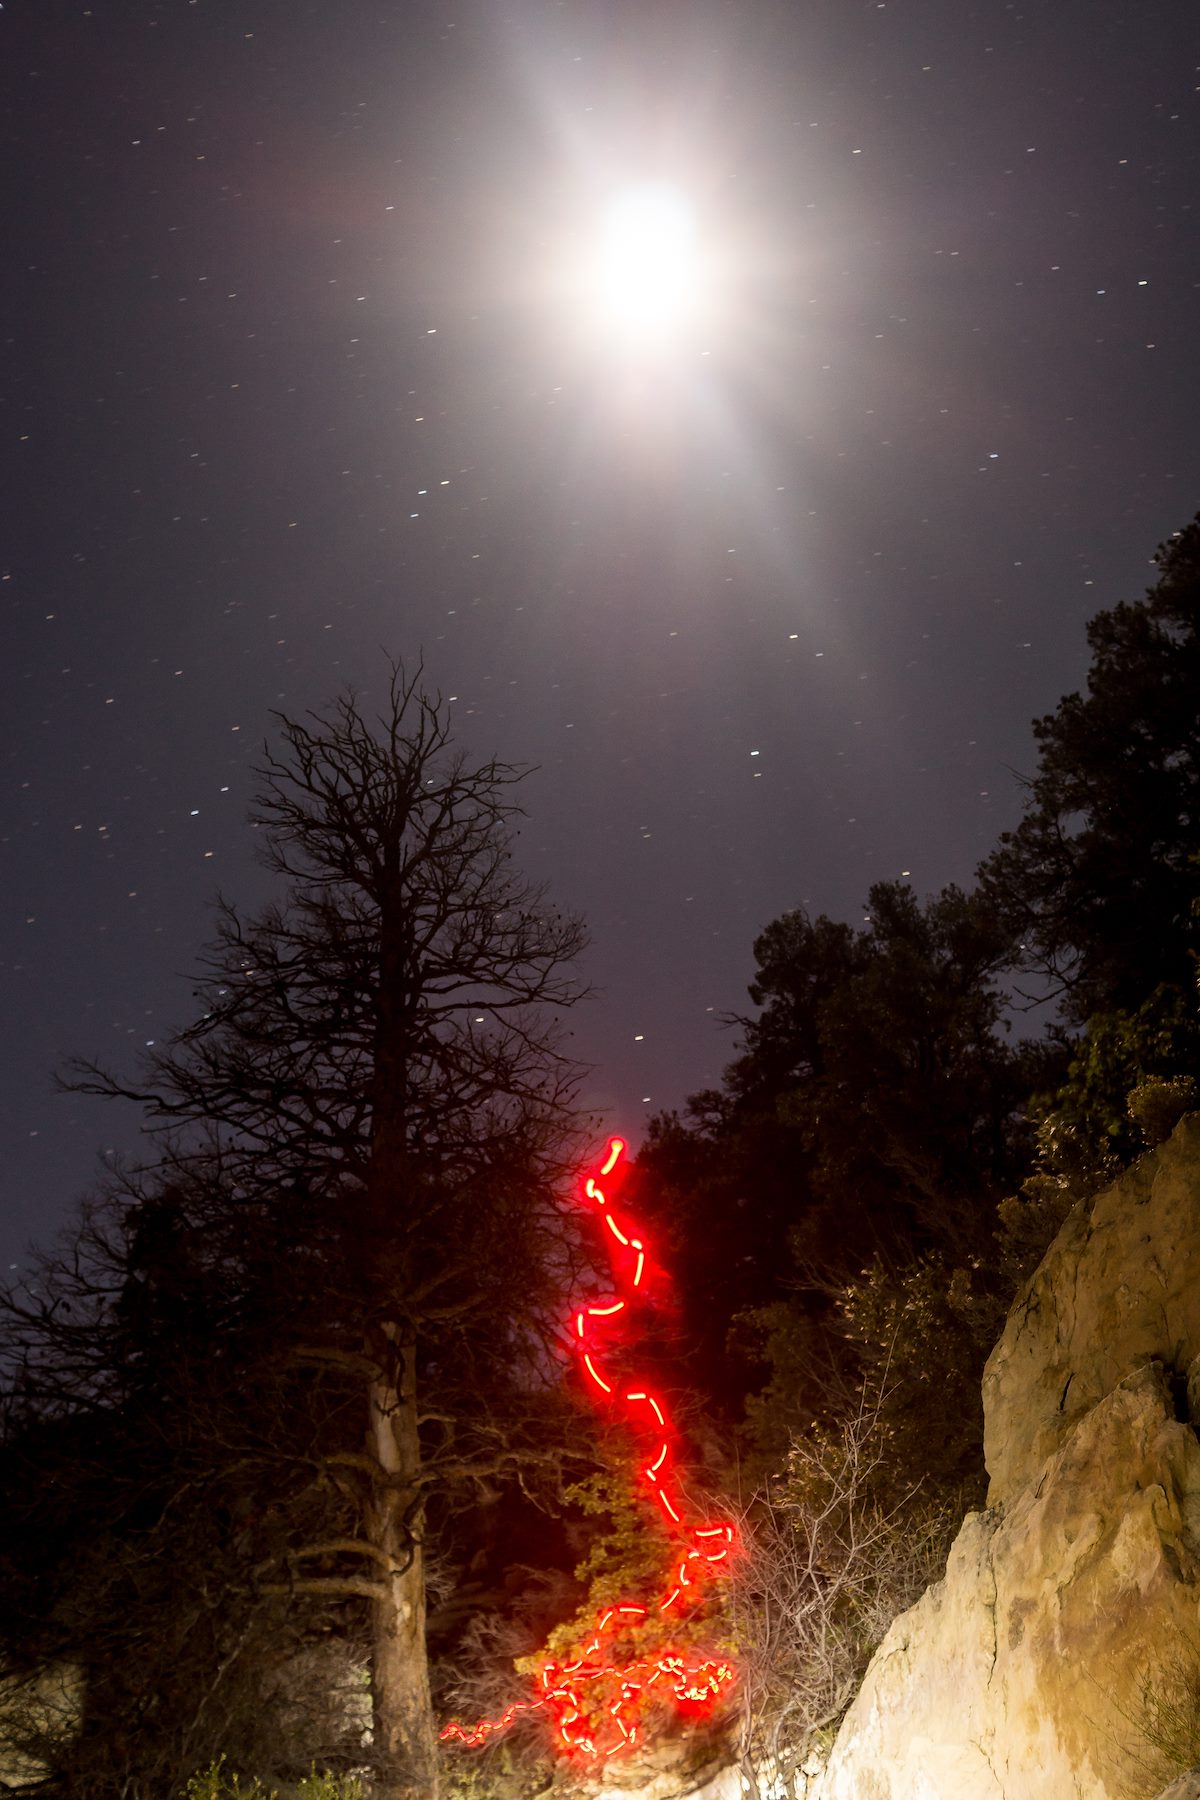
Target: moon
x,y
645,275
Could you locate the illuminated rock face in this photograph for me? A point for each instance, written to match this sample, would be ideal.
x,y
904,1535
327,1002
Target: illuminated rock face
x,y
723,1784
1119,1287
1055,1648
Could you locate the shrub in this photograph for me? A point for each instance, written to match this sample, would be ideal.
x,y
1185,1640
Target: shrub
x,y
218,1783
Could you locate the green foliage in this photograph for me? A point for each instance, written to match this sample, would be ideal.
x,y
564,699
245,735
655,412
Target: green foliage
x,y
217,1783
630,1557
629,1547
1157,1104
504,1770
325,1785
1118,1052
1129,1082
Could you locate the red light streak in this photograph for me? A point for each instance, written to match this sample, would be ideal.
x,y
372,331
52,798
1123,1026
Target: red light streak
x,y
564,1686
615,1148
662,1494
652,1403
596,1377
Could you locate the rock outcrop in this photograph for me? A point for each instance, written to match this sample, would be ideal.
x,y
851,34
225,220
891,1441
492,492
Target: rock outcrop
x,y
1059,1658
1119,1287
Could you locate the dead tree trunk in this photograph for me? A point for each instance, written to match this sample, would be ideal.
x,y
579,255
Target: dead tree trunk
x,y
404,1738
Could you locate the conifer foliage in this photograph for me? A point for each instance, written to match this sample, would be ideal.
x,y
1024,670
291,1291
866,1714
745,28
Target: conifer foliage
x,y
1096,884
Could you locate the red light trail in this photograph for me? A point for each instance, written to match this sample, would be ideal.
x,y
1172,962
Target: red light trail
x,y
597,1700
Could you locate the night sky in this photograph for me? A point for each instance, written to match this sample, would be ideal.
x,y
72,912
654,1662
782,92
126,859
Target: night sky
x,y
298,369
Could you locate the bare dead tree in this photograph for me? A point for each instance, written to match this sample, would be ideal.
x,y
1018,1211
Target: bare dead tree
x,y
377,1051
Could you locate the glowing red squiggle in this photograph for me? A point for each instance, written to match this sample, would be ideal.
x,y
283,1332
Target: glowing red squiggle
x,y
693,1685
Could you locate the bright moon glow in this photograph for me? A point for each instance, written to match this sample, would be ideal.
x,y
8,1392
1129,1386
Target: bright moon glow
x,y
646,272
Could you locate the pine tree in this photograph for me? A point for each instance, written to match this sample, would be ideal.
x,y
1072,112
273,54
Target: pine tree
x,y
1097,882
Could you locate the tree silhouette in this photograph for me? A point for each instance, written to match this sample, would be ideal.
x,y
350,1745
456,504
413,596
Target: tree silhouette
x,y
375,1063
1097,882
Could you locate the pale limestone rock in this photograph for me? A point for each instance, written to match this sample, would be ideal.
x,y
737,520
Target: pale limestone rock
x,y
1119,1286
1020,1675
723,1784
1024,1673
726,1784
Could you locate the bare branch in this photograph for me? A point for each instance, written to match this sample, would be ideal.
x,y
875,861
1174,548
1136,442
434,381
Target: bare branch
x,y
338,1587
348,1547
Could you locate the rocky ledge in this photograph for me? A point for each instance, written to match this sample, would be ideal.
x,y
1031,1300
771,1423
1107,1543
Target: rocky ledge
x,y
1059,1658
